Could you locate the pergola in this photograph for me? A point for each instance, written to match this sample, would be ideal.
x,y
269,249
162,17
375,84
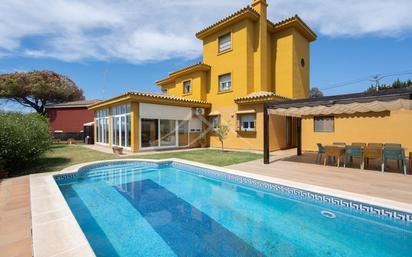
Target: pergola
x,y
376,101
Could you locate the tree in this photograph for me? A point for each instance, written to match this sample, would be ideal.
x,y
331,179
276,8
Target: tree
x,y
221,132
315,92
35,89
396,84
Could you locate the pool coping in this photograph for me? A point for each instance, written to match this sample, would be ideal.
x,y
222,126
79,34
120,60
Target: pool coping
x,y
56,232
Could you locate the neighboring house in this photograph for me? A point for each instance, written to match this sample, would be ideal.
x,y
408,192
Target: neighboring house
x,y
66,120
247,61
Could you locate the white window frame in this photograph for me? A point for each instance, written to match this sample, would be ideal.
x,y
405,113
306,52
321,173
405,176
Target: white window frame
x,y
320,124
247,122
187,83
225,42
225,82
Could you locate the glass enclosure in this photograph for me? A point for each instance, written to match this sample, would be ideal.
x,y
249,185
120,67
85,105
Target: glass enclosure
x,y
121,132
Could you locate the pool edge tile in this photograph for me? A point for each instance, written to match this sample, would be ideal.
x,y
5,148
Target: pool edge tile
x,y
47,231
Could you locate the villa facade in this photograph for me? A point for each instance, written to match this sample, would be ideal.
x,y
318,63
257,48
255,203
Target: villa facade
x,y
247,61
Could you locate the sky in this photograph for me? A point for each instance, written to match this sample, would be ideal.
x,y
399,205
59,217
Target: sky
x,y
111,47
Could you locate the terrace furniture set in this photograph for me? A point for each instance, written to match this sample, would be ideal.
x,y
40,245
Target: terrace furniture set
x,y
364,152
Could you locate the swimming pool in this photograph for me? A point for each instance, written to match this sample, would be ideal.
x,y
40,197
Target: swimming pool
x,y
133,208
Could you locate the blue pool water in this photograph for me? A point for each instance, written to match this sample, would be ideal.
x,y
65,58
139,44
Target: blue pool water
x,y
133,209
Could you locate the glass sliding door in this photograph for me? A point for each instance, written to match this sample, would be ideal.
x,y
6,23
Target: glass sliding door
x,y
167,133
121,131
163,133
128,131
102,126
149,132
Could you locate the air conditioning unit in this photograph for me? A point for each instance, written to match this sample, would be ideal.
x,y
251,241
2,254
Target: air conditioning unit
x,y
198,111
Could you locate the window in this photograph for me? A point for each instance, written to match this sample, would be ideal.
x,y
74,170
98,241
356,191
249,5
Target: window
x,y
187,87
214,122
324,124
247,122
225,43
225,82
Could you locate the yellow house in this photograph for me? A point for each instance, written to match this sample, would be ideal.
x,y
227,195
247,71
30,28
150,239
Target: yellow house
x,y
247,61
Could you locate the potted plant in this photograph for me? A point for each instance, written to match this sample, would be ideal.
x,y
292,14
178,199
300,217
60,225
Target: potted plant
x,y
202,141
117,150
3,172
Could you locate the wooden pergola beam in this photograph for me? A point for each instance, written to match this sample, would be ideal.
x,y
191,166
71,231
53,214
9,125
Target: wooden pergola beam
x,y
265,134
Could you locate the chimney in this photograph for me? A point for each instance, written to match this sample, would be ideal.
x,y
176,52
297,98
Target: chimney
x,y
261,7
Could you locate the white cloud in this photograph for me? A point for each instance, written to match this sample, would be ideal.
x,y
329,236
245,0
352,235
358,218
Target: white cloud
x,y
153,30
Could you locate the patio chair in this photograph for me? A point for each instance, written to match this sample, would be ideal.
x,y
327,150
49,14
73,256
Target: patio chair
x,y
394,153
359,144
321,151
373,151
393,146
354,151
375,145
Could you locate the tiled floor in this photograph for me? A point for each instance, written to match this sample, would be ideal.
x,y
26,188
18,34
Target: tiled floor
x,y
15,218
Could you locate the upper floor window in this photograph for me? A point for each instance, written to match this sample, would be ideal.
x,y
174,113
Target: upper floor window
x,y
187,87
225,43
247,122
324,123
225,82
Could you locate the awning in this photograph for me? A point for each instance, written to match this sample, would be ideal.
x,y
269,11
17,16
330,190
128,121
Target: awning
x,y
246,112
350,108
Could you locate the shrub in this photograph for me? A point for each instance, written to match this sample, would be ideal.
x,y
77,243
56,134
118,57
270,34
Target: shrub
x,y
23,138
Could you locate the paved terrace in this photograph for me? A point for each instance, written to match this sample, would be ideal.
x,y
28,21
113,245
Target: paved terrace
x,y
392,185
15,218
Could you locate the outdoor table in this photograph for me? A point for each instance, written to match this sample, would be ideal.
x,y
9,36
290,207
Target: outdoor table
x,y
335,151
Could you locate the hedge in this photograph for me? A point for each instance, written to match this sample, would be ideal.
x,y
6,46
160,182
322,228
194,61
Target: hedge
x,y
23,138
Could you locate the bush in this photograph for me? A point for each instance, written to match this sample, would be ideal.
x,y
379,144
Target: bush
x,y
23,138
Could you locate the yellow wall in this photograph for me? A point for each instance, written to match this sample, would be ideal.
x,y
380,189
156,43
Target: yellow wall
x,y
290,78
248,140
385,127
198,84
234,61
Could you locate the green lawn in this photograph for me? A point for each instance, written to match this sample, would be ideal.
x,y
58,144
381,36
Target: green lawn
x,y
62,156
